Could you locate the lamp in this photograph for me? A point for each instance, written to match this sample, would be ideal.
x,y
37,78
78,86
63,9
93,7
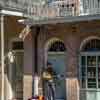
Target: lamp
x,y
11,56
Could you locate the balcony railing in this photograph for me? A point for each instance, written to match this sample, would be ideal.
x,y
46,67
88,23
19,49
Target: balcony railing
x,y
65,8
89,7
18,5
54,9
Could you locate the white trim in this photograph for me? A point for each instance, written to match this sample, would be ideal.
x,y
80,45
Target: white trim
x,y
88,39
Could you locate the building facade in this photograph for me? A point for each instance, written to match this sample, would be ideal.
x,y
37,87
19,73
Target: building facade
x,y
71,44
81,41
63,32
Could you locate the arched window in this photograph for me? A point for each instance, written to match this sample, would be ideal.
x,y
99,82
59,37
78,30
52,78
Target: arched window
x,y
57,46
90,69
92,46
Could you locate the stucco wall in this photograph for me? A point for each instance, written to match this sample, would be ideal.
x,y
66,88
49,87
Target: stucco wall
x,y
28,67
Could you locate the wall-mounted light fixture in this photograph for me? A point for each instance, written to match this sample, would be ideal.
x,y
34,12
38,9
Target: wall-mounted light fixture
x,y
11,56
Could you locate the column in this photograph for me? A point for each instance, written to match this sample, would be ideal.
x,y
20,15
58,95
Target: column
x,y
72,82
28,67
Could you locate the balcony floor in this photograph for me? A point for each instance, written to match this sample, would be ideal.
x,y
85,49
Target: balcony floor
x,y
68,19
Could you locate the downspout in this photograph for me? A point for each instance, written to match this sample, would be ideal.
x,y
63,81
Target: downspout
x,y
36,77
36,49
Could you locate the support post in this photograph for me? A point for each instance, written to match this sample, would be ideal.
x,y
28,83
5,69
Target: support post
x,y
2,57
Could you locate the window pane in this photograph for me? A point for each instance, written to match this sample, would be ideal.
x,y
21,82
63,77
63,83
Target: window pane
x,y
17,45
83,71
91,61
83,83
91,71
91,83
92,45
83,62
57,46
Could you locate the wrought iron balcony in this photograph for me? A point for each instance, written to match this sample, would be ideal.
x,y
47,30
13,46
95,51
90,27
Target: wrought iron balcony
x,y
89,7
45,9
18,5
66,8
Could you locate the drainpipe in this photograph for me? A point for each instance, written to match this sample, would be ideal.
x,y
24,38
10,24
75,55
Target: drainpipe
x,y
36,77
2,57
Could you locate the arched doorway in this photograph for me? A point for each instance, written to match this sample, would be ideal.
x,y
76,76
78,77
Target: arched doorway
x,y
15,69
90,69
55,54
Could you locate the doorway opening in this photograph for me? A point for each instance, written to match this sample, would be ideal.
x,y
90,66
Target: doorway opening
x,y
56,55
90,69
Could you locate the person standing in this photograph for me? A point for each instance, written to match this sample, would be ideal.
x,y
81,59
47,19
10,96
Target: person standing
x,y
48,77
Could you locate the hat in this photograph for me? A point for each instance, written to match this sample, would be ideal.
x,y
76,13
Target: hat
x,y
48,63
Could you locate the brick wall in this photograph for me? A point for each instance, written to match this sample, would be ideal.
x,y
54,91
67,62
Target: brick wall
x,y
72,34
